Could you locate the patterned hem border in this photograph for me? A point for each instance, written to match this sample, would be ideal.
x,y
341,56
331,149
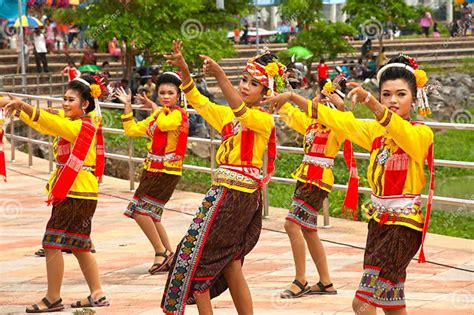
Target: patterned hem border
x,y
66,247
369,301
128,215
296,221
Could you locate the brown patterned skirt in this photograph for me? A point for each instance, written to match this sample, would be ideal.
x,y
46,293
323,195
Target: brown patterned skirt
x,y
307,200
389,250
225,228
152,194
70,225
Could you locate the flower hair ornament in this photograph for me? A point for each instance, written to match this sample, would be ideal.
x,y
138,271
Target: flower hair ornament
x,y
270,76
422,105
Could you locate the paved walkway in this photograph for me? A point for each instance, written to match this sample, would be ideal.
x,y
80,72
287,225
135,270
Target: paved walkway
x,y
124,255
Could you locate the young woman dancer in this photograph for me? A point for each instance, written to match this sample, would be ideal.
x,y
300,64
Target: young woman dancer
x,y
167,129
227,225
314,179
72,188
398,149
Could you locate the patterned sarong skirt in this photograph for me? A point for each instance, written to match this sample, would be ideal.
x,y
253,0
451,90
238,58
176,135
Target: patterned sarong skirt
x,y
152,194
307,200
389,250
225,228
70,225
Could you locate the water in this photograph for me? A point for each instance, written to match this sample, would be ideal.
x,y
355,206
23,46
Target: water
x,y
454,187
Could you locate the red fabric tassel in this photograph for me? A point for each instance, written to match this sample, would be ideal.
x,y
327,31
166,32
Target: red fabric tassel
x,y
3,167
430,159
70,170
272,152
384,218
100,154
351,199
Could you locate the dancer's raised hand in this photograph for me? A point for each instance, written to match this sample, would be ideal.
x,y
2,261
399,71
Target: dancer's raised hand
x,y
145,101
176,59
358,94
334,99
123,96
210,66
277,101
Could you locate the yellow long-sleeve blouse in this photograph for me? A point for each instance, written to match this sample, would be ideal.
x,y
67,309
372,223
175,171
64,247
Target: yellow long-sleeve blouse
x,y
414,139
169,122
228,153
85,185
299,121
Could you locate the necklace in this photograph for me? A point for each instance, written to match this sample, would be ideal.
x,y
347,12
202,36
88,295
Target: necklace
x,y
384,153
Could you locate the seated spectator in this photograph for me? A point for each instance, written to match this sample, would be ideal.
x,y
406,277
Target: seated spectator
x,y
88,58
114,49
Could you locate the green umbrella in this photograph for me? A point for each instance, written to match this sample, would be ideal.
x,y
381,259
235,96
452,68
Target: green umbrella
x,y
300,52
89,68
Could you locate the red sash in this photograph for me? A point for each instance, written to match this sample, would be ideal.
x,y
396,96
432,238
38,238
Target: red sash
x,y
317,148
73,161
160,140
352,195
100,153
3,168
430,160
247,146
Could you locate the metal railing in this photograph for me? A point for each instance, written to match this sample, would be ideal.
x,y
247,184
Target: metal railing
x,y
48,81
213,142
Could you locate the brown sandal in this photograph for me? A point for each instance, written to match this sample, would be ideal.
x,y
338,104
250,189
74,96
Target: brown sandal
x,y
322,290
103,301
163,266
50,307
288,294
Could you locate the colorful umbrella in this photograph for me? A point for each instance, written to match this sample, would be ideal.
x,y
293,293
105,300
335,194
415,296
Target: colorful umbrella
x,y
300,52
28,21
89,68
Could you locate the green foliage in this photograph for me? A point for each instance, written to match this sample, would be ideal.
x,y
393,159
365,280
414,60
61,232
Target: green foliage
x,y
457,223
66,16
362,11
323,39
152,25
301,11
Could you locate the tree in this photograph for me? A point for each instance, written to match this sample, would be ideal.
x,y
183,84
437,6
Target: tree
x,y
324,39
151,25
370,15
304,12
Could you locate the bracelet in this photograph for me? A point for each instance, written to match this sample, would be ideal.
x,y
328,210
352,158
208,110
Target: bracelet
x,y
367,98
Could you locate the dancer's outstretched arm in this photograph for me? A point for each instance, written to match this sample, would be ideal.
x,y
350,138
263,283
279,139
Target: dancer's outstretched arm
x,y
211,67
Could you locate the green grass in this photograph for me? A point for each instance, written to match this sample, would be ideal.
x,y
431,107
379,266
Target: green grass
x,y
450,145
458,223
